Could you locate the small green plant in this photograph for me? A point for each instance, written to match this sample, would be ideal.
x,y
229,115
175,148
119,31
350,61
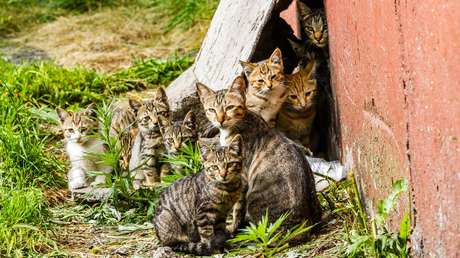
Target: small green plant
x,y
266,239
379,241
188,159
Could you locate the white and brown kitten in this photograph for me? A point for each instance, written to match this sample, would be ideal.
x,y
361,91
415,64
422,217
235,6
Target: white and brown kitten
x,y
78,129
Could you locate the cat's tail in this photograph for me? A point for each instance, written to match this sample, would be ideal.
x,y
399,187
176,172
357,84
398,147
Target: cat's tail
x,y
200,248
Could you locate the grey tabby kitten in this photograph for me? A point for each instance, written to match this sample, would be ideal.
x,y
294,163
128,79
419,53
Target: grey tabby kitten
x,y
191,215
148,147
78,129
123,127
314,25
178,134
278,176
314,28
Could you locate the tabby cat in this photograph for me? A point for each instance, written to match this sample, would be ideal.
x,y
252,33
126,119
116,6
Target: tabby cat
x,y
314,25
78,129
177,134
278,176
267,86
123,127
191,215
299,110
314,28
148,145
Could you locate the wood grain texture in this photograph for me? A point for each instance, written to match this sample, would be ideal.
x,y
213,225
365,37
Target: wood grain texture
x,y
233,35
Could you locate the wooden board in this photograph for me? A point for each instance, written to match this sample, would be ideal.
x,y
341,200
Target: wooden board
x,y
233,34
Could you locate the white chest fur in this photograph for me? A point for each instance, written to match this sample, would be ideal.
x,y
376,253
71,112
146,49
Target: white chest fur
x,y
224,134
75,151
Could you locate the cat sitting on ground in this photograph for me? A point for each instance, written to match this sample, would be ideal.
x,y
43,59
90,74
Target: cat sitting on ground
x,y
277,175
80,144
144,164
191,215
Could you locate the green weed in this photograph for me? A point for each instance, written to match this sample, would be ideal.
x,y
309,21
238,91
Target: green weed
x,y
188,159
379,241
23,215
266,239
49,84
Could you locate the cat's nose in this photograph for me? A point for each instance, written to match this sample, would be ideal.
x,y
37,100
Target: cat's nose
x,y
269,85
220,117
223,174
318,36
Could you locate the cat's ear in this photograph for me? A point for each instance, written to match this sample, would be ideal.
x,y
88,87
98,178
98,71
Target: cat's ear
x,y
205,147
134,104
276,58
203,91
189,121
160,94
304,10
90,110
236,145
62,114
248,67
238,85
296,46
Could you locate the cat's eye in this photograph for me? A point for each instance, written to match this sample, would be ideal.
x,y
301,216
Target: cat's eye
x,y
146,119
273,77
293,96
211,110
214,167
70,130
308,94
230,107
260,80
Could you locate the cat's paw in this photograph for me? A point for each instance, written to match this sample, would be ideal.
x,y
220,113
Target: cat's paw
x,y
98,181
77,184
137,184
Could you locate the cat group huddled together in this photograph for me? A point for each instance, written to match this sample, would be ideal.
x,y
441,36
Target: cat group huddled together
x,y
256,162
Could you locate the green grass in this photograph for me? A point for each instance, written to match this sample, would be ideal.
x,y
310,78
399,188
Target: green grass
x,y
23,220
21,15
265,238
30,160
188,160
185,13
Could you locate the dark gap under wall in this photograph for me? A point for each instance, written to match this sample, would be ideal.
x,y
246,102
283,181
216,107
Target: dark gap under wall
x,y
276,34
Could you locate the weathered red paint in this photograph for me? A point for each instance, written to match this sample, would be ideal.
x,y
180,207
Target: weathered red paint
x,y
396,75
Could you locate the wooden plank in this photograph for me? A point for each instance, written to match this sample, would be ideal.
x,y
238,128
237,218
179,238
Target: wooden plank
x,y
233,34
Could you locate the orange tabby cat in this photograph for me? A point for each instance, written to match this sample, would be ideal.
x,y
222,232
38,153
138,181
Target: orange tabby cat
x,y
299,110
267,86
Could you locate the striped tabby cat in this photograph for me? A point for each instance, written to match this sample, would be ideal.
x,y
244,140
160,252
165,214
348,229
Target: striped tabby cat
x,y
177,134
78,129
123,127
277,175
299,110
148,145
267,86
192,212
314,25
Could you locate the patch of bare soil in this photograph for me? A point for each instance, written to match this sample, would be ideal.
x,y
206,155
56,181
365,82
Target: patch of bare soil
x,y
109,40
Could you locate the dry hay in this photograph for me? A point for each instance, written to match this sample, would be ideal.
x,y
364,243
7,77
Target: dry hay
x,y
81,240
110,39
